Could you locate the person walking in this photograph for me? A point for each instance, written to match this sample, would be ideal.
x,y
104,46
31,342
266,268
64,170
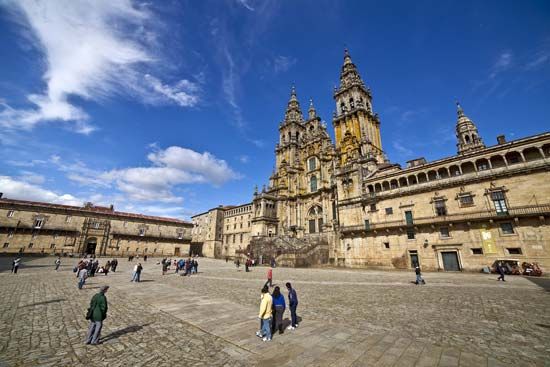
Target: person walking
x,y
134,273
57,263
82,275
114,264
292,304
196,266
138,272
418,272
266,303
15,265
97,313
279,307
500,270
246,265
269,277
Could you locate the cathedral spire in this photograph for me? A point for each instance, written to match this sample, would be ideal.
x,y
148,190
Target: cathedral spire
x,y
293,111
349,75
312,113
468,139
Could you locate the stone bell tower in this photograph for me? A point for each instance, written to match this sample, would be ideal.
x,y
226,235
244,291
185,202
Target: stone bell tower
x,y
468,139
357,128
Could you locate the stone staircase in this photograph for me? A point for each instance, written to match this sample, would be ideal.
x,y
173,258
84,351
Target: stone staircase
x,y
290,251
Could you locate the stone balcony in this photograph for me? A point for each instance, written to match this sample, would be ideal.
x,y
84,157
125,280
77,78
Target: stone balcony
x,y
515,212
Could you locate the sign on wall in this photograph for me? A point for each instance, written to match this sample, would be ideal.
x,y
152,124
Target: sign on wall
x,y
488,242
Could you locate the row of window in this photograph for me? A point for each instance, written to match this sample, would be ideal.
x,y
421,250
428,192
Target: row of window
x,y
465,200
235,226
233,237
243,209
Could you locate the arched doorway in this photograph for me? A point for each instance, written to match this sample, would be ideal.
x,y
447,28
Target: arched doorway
x,y
315,219
91,244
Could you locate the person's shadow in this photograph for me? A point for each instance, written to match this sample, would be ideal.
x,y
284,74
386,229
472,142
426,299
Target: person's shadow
x,y
126,330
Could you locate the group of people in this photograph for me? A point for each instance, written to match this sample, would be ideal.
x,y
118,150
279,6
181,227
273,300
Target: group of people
x,y
89,267
187,267
272,309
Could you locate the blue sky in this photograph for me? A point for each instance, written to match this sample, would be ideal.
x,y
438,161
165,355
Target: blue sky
x,y
172,107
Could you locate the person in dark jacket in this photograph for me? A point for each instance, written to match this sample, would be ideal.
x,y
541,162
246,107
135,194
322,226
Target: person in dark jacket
x,y
279,307
292,304
418,273
500,270
96,314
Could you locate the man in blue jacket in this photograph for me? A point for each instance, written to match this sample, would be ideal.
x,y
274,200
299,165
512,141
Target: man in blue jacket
x,y
292,304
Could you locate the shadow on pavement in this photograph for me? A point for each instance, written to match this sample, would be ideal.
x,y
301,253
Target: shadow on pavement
x,y
45,302
126,330
541,282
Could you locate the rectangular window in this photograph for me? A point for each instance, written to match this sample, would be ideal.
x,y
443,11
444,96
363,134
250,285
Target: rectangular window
x,y
410,234
312,226
142,232
389,211
10,234
466,200
249,224
386,245
233,238
6,244
241,225
444,231
96,225
180,235
367,225
440,209
241,238
31,245
68,219
514,250
409,217
38,223
500,202
507,228
52,245
373,207
477,251
10,213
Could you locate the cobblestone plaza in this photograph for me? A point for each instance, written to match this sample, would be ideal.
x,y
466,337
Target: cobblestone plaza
x,y
349,318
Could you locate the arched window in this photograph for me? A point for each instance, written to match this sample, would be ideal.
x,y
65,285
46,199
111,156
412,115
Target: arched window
x,y
466,138
315,219
313,183
312,163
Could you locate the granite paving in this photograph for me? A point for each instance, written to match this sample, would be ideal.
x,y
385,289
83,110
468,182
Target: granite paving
x,y
347,318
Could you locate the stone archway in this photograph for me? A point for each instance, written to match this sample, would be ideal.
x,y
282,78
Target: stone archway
x,y
91,246
315,219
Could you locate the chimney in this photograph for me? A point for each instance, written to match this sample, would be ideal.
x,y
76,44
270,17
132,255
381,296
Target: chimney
x,y
501,139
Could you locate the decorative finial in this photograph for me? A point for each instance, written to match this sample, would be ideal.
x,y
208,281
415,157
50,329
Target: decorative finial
x,y
311,112
459,110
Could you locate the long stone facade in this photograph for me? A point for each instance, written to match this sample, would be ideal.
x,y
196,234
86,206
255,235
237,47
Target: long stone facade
x,y
346,204
44,228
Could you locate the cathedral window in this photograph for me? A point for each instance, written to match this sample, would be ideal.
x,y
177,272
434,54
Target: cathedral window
x,y
313,183
315,219
312,163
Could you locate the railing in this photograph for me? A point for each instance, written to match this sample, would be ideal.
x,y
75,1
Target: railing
x,y
526,210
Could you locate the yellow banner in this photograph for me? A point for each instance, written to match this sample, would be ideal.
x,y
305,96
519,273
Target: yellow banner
x,y
488,242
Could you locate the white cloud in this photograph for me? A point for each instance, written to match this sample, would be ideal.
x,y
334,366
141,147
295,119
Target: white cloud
x,y
244,159
31,177
15,189
283,63
92,50
503,63
246,4
169,168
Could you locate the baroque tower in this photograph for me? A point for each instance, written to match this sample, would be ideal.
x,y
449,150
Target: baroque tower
x,y
356,127
466,133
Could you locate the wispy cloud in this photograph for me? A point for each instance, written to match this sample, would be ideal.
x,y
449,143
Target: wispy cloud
x,y
401,149
246,4
283,63
244,159
504,62
92,50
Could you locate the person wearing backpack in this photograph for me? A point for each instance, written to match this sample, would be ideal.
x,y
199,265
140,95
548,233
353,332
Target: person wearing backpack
x,y
97,312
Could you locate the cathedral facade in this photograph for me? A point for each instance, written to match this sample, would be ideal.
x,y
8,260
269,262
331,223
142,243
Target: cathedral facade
x,y
344,203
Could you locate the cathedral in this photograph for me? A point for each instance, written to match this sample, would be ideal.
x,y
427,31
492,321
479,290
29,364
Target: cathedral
x,y
344,203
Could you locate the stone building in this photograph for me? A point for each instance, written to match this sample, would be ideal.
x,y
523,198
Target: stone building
x,y
35,227
346,204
